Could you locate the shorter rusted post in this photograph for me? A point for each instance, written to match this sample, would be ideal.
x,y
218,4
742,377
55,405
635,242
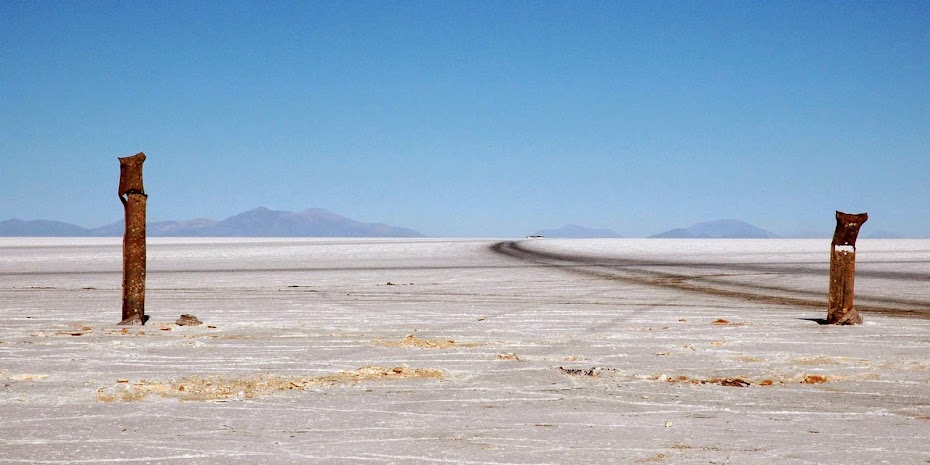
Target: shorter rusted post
x,y
843,269
133,197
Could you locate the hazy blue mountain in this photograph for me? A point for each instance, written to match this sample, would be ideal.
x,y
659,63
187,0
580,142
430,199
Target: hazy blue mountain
x,y
809,234
573,231
40,228
722,229
882,234
185,228
260,222
315,222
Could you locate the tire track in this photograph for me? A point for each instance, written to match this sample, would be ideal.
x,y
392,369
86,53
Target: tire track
x,y
636,272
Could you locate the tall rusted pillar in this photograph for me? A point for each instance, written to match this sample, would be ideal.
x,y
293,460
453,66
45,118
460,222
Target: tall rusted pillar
x,y
843,269
132,195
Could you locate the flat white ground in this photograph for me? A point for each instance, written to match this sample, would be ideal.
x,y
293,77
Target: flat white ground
x,y
463,351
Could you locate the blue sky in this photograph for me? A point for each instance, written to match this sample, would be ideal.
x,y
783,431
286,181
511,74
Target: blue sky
x,y
472,118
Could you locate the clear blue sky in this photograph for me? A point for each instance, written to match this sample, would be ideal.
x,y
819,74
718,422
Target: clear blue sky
x,y
472,118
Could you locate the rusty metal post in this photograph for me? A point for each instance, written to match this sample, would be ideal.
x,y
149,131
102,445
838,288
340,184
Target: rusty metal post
x,y
843,269
133,197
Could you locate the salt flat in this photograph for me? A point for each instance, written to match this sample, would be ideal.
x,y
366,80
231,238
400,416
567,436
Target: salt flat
x,y
463,351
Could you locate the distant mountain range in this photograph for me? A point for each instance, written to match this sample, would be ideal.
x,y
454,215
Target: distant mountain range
x,y
882,234
317,222
40,228
712,229
260,222
720,229
573,231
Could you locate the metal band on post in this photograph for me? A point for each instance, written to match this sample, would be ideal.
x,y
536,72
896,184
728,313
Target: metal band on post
x,y
133,197
843,269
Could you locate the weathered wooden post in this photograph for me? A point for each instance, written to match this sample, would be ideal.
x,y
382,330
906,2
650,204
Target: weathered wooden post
x,y
133,197
843,269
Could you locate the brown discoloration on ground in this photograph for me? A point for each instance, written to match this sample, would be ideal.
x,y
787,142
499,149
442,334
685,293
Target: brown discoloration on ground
x,y
412,341
654,459
823,360
82,330
732,382
749,381
196,388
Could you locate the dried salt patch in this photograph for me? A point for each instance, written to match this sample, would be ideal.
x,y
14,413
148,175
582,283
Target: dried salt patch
x,y
412,341
824,360
908,365
220,388
734,382
71,332
814,379
656,458
731,382
28,377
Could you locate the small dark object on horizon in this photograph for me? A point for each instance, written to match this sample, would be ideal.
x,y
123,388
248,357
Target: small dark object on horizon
x,y
594,371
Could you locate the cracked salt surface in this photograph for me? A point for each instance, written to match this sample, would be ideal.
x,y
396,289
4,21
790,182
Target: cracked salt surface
x,y
536,352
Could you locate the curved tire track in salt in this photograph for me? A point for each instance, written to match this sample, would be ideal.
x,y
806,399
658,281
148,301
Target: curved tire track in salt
x,y
632,271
